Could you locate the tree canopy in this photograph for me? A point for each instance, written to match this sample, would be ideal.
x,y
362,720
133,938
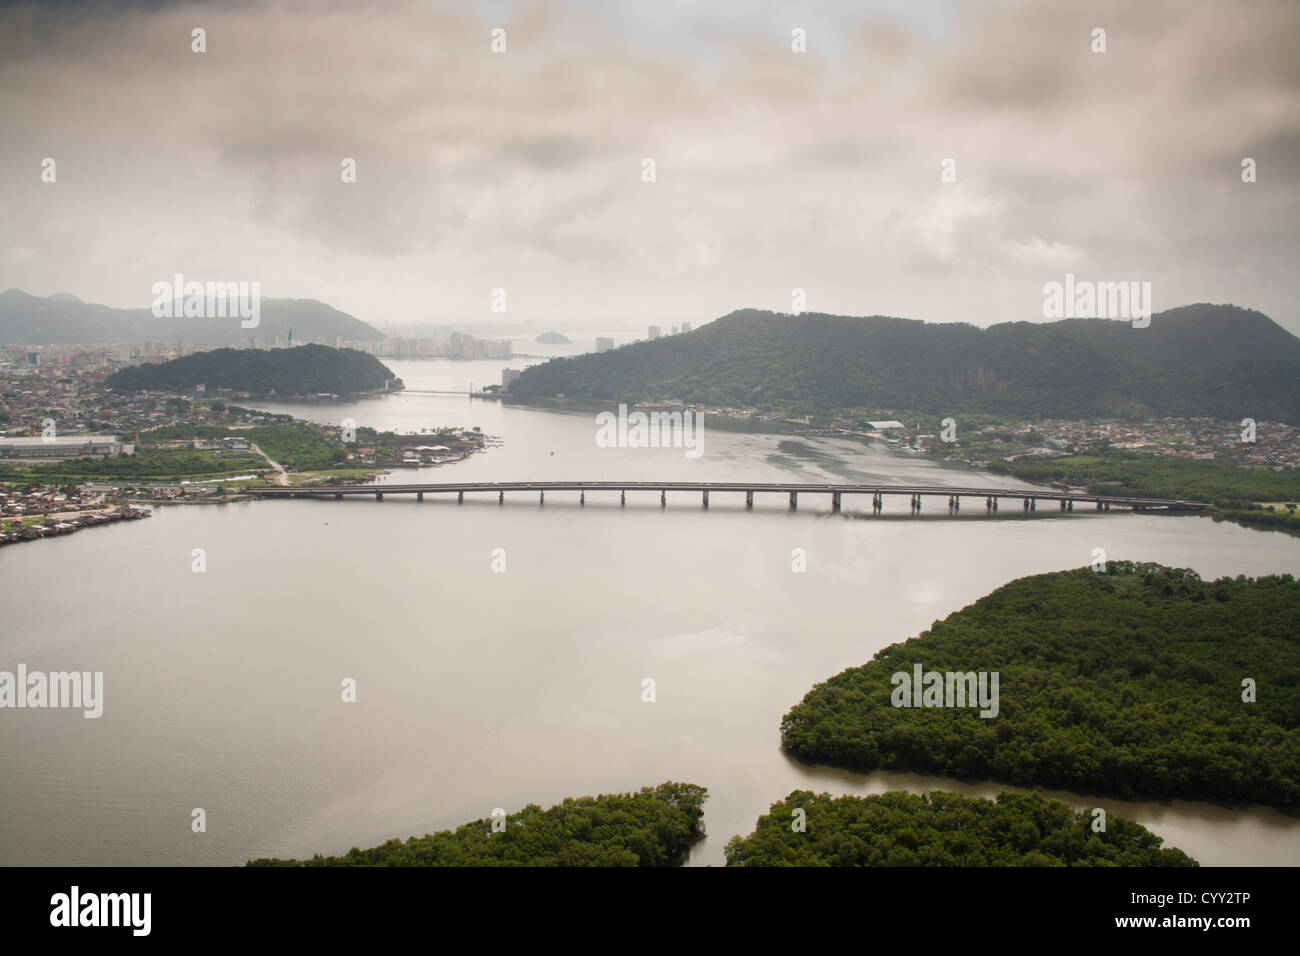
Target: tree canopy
x,y
1199,360
1127,681
305,370
655,827
943,829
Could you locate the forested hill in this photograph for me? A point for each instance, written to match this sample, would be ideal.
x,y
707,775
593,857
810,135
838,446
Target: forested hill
x,y
1197,360
1131,681
305,370
33,320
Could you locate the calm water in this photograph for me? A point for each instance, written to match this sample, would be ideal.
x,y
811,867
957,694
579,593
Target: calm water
x,y
478,689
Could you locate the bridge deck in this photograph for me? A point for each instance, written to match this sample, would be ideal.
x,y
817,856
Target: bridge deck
x,y
779,487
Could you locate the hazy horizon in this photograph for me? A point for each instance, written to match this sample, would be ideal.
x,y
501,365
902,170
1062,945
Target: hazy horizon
x,y
774,169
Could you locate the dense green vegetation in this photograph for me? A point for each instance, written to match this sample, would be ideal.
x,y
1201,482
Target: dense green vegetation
x,y
160,464
1159,477
1270,518
1126,681
1231,488
295,445
305,370
655,827
943,829
1201,360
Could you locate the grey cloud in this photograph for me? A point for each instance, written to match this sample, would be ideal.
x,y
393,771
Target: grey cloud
x,y
774,169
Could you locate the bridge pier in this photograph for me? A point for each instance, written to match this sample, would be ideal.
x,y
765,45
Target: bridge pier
x,y
663,497
706,497
419,496
749,499
501,497
582,497
622,496
460,496
379,496
835,501
794,500
541,497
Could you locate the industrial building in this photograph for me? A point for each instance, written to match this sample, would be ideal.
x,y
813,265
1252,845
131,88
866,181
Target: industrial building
x,y
38,448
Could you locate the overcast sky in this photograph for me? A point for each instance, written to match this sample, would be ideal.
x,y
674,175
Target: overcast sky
x,y
775,169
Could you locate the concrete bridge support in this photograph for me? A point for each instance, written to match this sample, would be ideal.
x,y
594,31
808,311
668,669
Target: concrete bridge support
x,y
379,496
541,497
663,497
749,499
582,497
622,496
794,500
706,497
835,501
460,497
419,496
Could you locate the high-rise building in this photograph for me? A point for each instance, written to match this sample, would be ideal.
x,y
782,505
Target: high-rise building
x,y
654,332
686,327
508,375
604,343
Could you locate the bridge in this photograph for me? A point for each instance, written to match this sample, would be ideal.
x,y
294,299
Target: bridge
x,y
1028,498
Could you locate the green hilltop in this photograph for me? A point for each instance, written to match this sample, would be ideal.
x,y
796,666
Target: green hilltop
x,y
305,370
1198,360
